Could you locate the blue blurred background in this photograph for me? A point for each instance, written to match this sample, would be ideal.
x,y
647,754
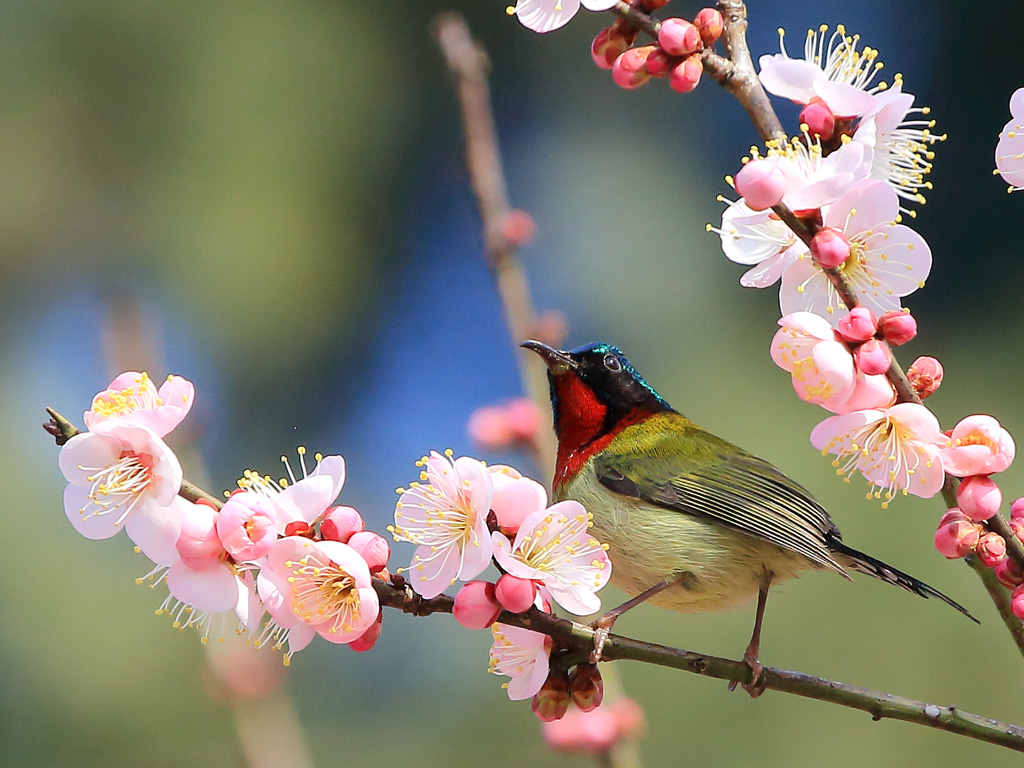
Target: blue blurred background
x,y
279,189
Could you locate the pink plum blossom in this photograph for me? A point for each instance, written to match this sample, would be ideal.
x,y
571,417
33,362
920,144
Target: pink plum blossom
x,y
832,71
521,655
446,516
554,546
896,449
548,15
925,376
132,398
822,367
306,499
325,584
978,446
515,497
956,536
247,526
213,588
887,260
597,731
124,471
1010,149
814,179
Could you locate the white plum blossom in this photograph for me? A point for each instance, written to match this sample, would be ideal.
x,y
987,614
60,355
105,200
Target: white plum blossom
x,y
522,655
760,240
1010,149
549,15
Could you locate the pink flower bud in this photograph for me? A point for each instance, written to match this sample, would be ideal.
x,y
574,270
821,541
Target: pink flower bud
x,y
372,548
198,544
475,605
515,594
897,327
1017,508
819,120
369,638
586,687
678,37
659,63
829,248
551,702
957,539
686,74
519,228
710,24
629,70
873,357
858,326
979,497
761,184
991,549
1017,602
1017,526
340,523
953,515
925,375
1009,573
607,47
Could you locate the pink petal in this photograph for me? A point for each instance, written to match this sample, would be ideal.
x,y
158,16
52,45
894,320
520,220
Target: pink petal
x,y
503,556
542,16
598,5
212,589
791,79
1017,104
578,601
84,453
79,508
899,258
930,475
843,99
334,468
274,591
305,500
369,609
514,499
874,201
919,420
154,530
348,560
833,433
430,577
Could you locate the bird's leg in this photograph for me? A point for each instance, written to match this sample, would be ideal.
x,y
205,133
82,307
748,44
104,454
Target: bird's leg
x,y
603,626
756,685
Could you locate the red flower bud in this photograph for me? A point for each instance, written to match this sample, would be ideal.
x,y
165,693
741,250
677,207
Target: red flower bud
x,y
551,702
515,594
829,248
686,74
1017,602
710,24
629,70
858,326
953,514
979,497
372,548
659,63
957,539
609,44
873,357
925,375
679,37
991,549
340,523
1009,573
760,183
476,606
897,327
1017,508
819,120
369,638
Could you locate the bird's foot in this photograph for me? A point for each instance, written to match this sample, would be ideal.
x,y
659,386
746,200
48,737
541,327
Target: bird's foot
x,y
756,686
602,628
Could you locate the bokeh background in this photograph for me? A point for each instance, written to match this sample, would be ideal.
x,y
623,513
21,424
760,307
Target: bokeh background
x,y
270,199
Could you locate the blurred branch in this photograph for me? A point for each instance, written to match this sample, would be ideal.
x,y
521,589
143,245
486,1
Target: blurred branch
x,y
468,63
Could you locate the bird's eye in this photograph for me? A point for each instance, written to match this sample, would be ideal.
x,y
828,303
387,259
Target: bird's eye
x,y
611,362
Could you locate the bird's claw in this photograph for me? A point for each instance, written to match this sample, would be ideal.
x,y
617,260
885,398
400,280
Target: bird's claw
x,y
602,628
757,684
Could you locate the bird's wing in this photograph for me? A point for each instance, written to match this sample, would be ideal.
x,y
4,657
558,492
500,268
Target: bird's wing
x,y
716,480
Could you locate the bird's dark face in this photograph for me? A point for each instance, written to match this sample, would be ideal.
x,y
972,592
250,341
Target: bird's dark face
x,y
593,390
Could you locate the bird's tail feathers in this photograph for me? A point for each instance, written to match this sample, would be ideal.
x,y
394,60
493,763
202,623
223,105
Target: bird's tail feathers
x,y
861,563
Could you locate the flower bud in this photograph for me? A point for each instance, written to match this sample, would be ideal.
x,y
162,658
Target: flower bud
x,y
372,548
957,539
819,120
873,357
659,63
369,638
686,74
829,248
953,514
608,46
710,24
979,497
551,702
991,549
1009,573
629,70
586,687
1017,508
476,606
897,327
925,376
678,37
1017,602
340,523
1017,526
760,183
515,594
858,326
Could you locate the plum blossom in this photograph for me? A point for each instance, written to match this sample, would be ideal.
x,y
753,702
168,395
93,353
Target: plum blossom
x,y
325,585
758,239
597,731
132,398
978,445
887,260
121,473
515,497
832,71
549,15
822,367
300,500
247,526
1010,149
523,656
554,546
896,449
446,516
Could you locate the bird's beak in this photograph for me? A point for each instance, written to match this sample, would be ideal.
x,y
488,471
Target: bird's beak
x,y
556,360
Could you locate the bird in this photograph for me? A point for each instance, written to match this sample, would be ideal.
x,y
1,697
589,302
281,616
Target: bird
x,y
692,522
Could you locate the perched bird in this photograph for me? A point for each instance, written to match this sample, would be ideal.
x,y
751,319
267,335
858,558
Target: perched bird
x,y
693,522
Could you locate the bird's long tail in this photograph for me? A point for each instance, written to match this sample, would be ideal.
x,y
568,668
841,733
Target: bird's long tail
x,y
861,563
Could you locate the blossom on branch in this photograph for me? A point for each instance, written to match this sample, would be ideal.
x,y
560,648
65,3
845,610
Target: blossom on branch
x,y
549,15
978,445
523,656
132,398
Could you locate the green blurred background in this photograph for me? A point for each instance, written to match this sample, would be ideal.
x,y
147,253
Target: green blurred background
x,y
279,189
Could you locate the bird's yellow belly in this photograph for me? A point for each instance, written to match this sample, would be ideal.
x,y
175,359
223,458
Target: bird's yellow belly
x,y
719,568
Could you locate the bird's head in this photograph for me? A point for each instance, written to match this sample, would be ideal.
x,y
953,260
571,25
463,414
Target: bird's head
x,y
594,392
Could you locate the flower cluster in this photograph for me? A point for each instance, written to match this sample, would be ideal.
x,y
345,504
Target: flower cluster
x,y
462,515
276,559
